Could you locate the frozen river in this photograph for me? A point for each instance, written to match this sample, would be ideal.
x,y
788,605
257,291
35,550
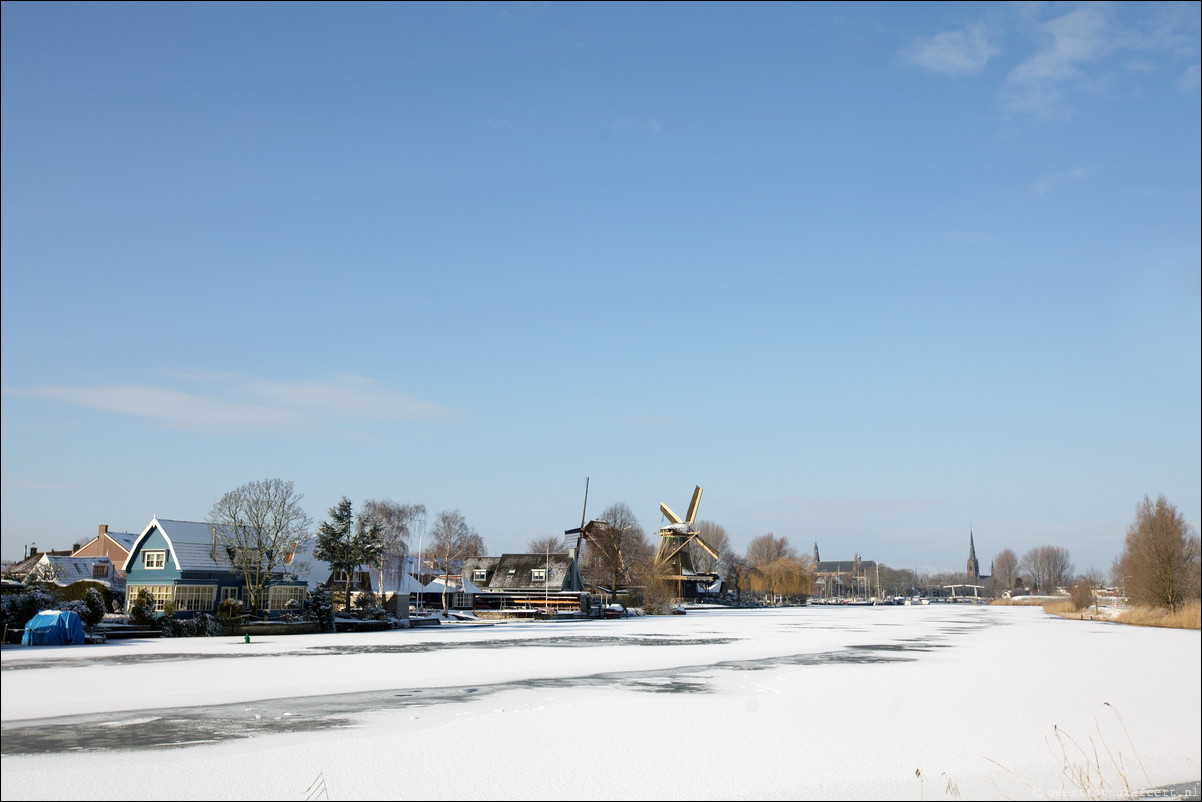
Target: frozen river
x,y
892,702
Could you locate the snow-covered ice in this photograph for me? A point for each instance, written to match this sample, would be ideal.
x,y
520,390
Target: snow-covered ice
x,y
886,702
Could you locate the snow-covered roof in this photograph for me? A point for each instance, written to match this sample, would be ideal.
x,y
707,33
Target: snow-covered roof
x,y
125,540
514,571
67,570
190,542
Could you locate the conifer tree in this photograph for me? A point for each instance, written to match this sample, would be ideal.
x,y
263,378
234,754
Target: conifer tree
x,y
347,544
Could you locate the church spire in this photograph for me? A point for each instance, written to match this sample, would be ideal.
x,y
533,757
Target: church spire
x,y
974,567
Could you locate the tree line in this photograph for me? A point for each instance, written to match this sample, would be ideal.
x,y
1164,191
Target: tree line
x,y
262,525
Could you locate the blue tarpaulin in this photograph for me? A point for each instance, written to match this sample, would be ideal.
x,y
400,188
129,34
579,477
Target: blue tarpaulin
x,y
53,628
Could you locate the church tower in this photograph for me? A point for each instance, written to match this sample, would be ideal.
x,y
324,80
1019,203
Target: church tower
x,y
974,567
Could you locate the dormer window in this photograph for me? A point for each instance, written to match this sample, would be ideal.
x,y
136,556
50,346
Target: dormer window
x,y
538,574
480,575
154,559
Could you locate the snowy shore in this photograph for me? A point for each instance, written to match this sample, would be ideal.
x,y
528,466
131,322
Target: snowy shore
x,y
891,702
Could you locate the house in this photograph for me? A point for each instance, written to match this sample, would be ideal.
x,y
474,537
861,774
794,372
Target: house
x,y
184,563
395,586
22,569
59,569
114,545
543,581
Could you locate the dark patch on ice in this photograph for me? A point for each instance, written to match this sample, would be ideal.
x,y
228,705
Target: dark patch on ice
x,y
186,726
370,648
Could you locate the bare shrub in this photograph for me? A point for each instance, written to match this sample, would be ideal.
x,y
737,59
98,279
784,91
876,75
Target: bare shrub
x,y
1081,595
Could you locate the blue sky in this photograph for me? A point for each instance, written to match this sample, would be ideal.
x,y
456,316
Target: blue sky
x,y
870,274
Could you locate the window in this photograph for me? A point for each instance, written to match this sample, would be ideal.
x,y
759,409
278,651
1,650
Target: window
x,y
195,598
246,557
278,597
154,559
160,594
100,571
230,592
480,575
538,574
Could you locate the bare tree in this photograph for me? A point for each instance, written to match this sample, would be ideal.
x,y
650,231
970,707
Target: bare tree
x,y
1048,567
616,545
451,542
715,536
397,524
1160,561
898,581
546,545
1005,568
768,548
733,569
259,525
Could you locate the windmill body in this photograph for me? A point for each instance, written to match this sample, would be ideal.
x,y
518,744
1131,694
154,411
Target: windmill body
x,y
673,557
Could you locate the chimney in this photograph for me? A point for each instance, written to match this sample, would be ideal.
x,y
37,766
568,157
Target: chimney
x,y
104,530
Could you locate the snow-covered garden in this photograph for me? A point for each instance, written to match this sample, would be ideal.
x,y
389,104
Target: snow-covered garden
x,y
889,702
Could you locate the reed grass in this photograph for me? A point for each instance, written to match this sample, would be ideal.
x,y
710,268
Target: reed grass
x,y
1063,607
1188,616
1095,768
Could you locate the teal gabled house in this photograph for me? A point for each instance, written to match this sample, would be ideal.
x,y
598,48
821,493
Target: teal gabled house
x,y
185,563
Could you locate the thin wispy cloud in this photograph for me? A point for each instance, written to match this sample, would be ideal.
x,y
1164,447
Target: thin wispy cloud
x,y
352,396
963,52
1037,85
1050,182
1191,79
31,484
235,404
1070,53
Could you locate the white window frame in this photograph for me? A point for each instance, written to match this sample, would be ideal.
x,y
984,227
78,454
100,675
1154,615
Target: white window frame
x,y
158,563
279,595
160,594
479,574
538,574
195,598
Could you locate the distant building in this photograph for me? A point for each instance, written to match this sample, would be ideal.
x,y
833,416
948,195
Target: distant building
x,y
114,545
838,579
974,568
63,570
545,581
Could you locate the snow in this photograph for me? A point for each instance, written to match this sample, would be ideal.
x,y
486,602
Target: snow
x,y
999,702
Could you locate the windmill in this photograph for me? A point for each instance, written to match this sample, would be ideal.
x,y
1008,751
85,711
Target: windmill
x,y
673,557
